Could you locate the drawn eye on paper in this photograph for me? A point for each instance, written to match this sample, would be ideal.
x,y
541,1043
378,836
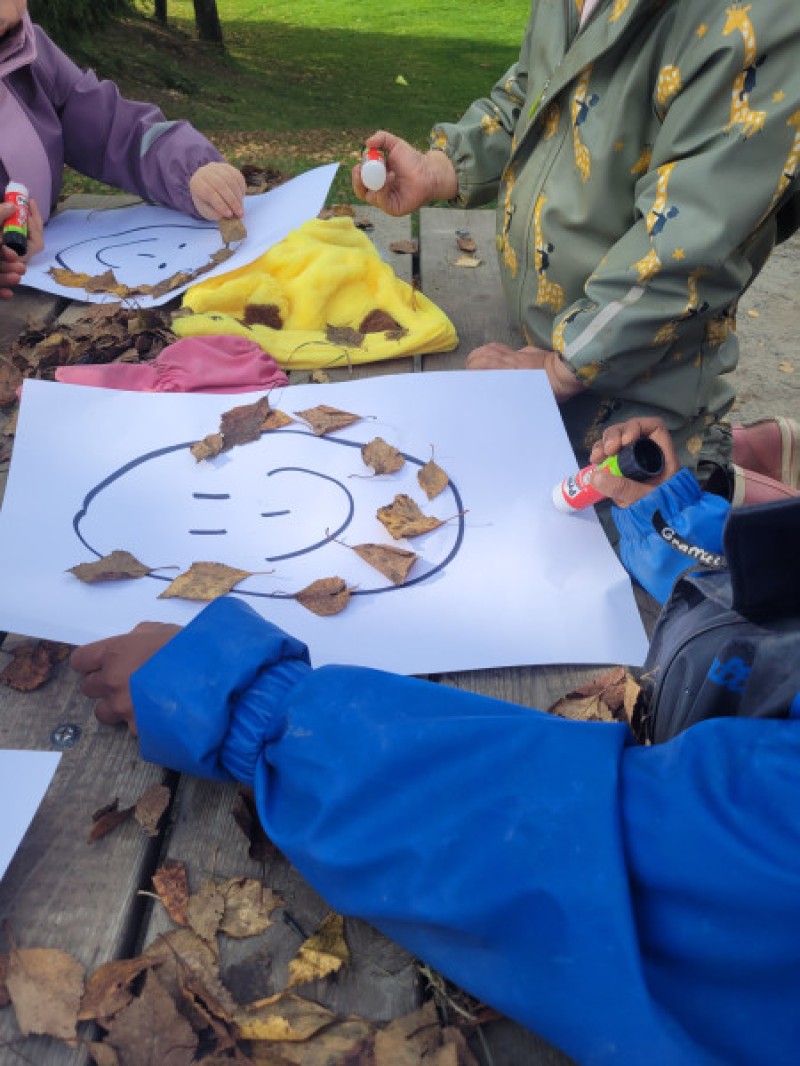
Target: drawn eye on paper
x,y
143,254
291,502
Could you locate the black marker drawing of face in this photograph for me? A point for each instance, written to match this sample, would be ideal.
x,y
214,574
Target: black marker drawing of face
x,y
143,254
279,504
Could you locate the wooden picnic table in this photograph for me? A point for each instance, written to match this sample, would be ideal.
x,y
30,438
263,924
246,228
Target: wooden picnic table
x,y
93,901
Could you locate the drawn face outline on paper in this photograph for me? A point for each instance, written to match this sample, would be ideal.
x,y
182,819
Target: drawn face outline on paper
x,y
143,255
304,513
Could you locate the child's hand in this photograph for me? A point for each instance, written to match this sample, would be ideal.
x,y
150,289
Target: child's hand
x,y
12,270
621,490
12,266
497,356
107,666
412,178
217,191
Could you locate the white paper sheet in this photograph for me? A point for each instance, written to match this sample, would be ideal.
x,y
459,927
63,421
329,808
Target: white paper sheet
x,y
25,776
506,579
144,244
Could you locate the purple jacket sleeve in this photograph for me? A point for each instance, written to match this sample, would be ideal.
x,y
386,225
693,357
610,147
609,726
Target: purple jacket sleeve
x,y
118,141
627,904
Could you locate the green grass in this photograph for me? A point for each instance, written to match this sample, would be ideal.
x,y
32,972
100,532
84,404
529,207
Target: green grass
x,y
301,83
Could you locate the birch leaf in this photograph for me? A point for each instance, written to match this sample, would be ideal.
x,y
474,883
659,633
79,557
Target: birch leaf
x,y
248,905
205,909
276,419
231,230
382,457
344,336
323,953
432,479
282,1017
204,581
45,986
32,663
171,883
115,566
325,597
150,808
151,1030
381,322
208,447
392,562
108,989
324,419
107,819
403,518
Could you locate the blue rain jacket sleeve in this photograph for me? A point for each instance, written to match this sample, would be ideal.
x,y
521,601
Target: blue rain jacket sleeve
x,y
627,904
697,516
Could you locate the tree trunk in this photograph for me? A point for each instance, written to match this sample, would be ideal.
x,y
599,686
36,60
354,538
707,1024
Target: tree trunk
x,y
160,11
207,20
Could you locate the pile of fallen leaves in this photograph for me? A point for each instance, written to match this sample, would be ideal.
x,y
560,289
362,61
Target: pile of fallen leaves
x,y
170,1005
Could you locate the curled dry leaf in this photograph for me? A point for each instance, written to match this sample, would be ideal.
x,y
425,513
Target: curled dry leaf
x,y
232,230
282,1017
325,597
204,581
403,518
108,990
150,808
324,419
276,419
171,883
208,447
239,425
466,243
344,336
404,247
33,663
394,563
381,322
467,261
432,479
115,566
602,699
107,819
347,1043
382,457
45,986
323,953
248,906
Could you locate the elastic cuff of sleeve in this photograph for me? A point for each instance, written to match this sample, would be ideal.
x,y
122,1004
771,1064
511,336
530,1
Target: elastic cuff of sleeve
x,y
186,694
670,499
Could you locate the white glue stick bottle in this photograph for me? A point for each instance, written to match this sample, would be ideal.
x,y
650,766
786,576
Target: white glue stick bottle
x,y
373,168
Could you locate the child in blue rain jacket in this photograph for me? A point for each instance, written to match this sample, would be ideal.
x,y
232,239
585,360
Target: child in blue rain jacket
x,y
629,904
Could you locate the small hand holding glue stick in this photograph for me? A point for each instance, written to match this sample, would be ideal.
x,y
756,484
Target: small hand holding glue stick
x,y
639,461
373,169
15,228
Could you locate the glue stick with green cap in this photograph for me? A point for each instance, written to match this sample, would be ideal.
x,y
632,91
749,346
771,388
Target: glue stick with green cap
x,y
373,169
639,461
15,228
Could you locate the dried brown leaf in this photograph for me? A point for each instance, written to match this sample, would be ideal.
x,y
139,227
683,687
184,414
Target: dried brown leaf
x,y
246,817
115,566
382,457
324,419
106,282
337,211
150,807
204,581
69,278
432,479
347,1043
325,597
263,315
102,1054
171,883
343,335
181,952
467,261
380,322
248,905
323,953
205,909
108,990
208,447
241,425
466,243
232,230
45,986
10,381
151,1030
405,247
32,664
409,1040
403,518
282,1017
107,819
390,561
276,419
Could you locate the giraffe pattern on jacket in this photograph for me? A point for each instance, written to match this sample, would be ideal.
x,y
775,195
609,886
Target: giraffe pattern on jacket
x,y
581,103
789,171
548,293
744,82
657,217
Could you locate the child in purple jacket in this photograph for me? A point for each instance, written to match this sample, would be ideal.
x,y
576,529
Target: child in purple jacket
x,y
53,113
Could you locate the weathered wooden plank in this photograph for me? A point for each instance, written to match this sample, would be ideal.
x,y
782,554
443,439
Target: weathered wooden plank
x,y
380,982
471,296
60,891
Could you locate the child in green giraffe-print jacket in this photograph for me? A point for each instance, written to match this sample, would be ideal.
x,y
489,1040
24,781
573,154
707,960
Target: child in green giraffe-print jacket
x,y
644,156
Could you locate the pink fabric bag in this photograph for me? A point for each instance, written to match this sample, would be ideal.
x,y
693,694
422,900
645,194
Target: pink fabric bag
x,y
194,364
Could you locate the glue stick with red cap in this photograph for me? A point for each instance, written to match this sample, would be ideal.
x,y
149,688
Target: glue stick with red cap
x,y
15,228
373,169
639,461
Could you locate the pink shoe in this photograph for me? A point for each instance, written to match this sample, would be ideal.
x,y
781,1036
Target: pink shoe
x,y
752,487
770,447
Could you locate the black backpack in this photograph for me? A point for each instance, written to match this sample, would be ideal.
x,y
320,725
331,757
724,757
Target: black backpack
x,y
727,642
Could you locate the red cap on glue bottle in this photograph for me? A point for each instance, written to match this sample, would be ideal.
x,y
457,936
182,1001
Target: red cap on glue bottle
x,y
373,169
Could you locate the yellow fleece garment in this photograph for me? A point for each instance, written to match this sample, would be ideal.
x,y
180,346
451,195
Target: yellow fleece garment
x,y
299,299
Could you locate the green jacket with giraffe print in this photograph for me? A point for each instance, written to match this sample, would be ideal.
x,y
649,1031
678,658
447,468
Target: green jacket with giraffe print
x,y
644,167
